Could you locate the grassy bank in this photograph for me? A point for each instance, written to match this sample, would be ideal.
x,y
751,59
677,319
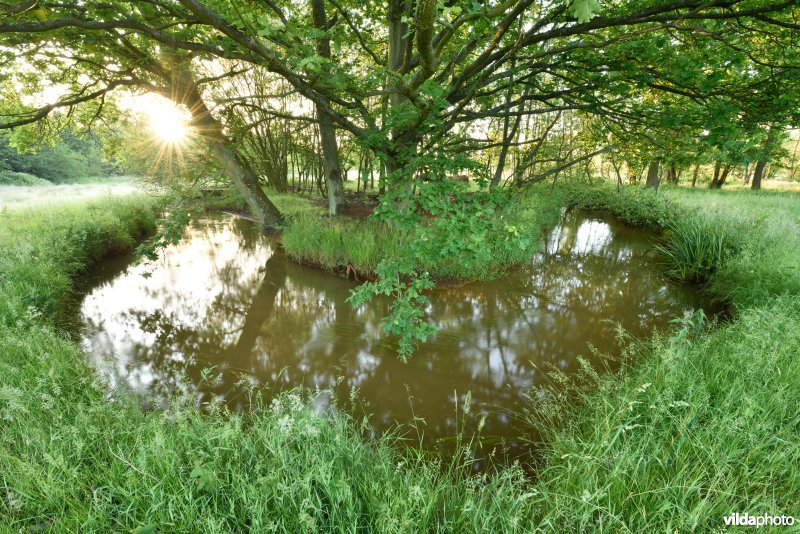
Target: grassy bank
x,y
337,244
704,424
742,245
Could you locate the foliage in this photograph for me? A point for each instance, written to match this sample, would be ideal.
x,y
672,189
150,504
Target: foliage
x,y
69,160
20,178
407,312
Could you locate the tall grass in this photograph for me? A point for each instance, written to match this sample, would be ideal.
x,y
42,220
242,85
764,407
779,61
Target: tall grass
x,y
700,427
43,250
339,243
763,230
696,247
336,243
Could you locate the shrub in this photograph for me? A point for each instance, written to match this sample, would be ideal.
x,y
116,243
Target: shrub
x,y
20,178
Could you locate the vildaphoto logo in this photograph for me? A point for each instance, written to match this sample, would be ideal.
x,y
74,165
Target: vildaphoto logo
x,y
747,520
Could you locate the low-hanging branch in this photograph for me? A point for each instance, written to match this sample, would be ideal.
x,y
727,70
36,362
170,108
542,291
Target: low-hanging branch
x,y
540,177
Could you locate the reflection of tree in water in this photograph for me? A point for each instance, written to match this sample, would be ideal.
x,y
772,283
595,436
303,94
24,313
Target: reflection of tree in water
x,y
288,325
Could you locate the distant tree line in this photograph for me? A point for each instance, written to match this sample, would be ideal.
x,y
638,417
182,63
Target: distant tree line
x,y
71,159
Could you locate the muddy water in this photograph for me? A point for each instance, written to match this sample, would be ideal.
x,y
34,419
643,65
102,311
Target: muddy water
x,y
225,298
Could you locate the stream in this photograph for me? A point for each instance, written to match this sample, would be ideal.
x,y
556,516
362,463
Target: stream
x,y
227,299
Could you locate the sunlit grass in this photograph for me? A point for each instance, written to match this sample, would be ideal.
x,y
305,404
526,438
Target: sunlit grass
x,y
21,197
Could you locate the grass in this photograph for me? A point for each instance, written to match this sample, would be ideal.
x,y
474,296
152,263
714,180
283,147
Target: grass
x,y
700,427
73,458
702,422
19,197
45,249
337,243
742,244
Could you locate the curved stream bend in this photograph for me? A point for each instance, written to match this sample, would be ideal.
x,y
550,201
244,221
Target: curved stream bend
x,y
226,298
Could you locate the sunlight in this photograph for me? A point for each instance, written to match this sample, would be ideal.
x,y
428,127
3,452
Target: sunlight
x,y
170,127
168,123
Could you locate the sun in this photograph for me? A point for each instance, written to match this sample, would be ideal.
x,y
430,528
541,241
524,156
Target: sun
x,y
167,122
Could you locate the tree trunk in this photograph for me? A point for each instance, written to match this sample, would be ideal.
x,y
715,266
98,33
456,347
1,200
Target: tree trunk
x,y
694,174
761,164
725,172
264,211
327,131
653,180
758,175
715,178
403,142
672,173
719,177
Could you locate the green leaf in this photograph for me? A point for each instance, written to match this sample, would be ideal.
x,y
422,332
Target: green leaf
x,y
584,10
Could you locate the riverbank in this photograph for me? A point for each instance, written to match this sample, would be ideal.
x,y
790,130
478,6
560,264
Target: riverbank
x,y
75,457
355,245
703,424
699,423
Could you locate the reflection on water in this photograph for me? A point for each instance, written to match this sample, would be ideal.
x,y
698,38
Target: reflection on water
x,y
226,298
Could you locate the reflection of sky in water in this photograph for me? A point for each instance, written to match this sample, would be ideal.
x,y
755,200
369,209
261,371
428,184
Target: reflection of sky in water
x,y
224,297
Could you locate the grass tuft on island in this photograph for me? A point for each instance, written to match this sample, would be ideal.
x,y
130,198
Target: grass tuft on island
x,y
360,244
702,423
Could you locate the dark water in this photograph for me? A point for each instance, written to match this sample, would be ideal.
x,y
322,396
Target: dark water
x,y
226,298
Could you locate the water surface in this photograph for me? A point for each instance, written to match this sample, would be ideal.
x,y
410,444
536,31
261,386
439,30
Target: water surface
x,y
226,298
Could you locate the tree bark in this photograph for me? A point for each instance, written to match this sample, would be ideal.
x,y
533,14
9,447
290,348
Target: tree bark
x,y
404,142
719,177
761,164
327,130
694,174
653,180
185,92
672,173
507,137
758,175
715,178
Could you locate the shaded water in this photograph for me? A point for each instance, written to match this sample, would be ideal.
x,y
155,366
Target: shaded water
x,y
226,298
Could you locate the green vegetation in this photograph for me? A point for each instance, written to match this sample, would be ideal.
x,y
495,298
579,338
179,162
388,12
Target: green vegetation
x,y
45,249
338,243
454,114
703,423
742,245
20,178
70,159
